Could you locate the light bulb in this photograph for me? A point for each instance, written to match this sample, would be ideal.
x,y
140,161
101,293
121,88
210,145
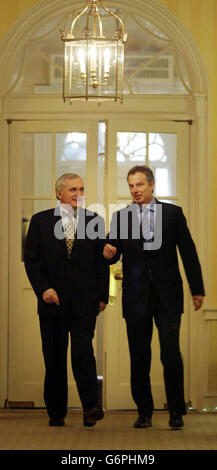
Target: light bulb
x,y
93,59
107,57
81,58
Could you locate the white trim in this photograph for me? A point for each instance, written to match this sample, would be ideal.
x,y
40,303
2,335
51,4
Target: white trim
x,y
149,107
164,107
4,262
209,315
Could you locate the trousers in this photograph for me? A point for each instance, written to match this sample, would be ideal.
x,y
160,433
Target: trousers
x,y
55,333
139,332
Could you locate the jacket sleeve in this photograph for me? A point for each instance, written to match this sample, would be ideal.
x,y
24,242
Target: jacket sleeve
x,y
189,255
113,237
33,259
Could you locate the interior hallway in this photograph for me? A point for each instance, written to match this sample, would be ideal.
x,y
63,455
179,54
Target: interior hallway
x,y
29,430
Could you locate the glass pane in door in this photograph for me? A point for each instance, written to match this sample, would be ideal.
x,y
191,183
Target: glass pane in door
x,y
71,153
157,150
131,150
36,151
162,155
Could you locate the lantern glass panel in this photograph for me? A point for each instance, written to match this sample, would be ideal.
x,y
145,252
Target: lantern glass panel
x,y
93,68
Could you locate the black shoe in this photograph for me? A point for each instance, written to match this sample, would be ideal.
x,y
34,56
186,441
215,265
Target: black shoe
x,y
176,421
56,422
143,422
92,415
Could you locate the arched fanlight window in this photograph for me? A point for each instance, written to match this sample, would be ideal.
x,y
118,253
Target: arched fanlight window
x,y
152,62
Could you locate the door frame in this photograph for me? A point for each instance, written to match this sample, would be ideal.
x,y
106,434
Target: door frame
x,y
192,107
163,108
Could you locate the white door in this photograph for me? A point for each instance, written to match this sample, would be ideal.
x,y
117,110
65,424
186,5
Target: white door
x,y
163,146
40,152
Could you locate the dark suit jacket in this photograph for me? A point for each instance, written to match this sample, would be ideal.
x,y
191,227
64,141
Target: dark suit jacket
x,y
161,265
81,281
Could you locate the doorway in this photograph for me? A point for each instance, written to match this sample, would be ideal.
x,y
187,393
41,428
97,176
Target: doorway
x,y
41,152
29,93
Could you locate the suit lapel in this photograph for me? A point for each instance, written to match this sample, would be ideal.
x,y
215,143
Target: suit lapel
x,y
133,227
55,223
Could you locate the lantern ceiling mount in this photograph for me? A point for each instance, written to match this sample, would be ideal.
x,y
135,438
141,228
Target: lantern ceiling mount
x,y
93,67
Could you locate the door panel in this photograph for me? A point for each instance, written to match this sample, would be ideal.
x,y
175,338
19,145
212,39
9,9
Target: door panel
x,y
40,152
164,147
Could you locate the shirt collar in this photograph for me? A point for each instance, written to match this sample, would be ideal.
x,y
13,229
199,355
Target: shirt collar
x,y
147,207
67,211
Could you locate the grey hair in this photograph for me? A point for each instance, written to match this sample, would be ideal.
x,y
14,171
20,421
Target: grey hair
x,y
60,182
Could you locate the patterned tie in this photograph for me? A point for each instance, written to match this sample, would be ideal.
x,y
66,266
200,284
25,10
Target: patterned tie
x,y
70,236
145,223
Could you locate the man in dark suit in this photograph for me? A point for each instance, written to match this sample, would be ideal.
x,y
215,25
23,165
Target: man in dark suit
x,y
147,234
66,268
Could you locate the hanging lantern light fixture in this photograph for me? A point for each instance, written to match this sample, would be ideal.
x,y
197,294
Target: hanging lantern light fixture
x,y
93,54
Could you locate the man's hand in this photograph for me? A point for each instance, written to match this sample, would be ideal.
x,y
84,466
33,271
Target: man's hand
x,y
50,297
197,301
102,306
109,251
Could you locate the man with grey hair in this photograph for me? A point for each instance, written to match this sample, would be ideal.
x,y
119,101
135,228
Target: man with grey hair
x,y
67,270
152,289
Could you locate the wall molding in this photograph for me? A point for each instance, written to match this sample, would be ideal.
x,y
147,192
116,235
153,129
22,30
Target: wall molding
x,y
209,396
195,106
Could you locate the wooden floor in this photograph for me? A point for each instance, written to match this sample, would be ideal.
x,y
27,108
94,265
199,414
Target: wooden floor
x,y
29,430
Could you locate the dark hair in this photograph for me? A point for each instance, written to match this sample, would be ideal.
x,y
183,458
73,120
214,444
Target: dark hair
x,y
142,169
